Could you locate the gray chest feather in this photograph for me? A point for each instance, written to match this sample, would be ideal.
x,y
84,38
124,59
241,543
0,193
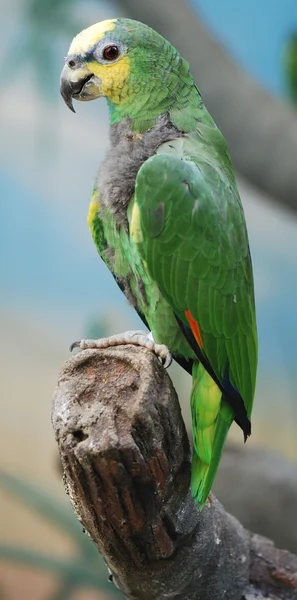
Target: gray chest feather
x,y
127,152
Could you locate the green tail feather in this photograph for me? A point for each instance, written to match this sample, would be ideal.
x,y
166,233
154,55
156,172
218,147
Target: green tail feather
x,y
212,418
203,474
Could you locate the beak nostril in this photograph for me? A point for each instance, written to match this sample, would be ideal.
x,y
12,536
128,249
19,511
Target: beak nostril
x,y
71,64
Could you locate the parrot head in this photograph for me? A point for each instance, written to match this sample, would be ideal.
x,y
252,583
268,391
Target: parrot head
x,y
127,62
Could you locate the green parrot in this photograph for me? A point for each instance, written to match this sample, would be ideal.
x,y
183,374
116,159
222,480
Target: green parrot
x,y
167,220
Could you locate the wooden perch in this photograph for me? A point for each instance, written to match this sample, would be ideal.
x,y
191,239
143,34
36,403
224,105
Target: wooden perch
x,y
126,458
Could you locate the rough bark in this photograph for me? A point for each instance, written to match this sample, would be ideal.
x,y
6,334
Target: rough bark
x,y
126,459
261,130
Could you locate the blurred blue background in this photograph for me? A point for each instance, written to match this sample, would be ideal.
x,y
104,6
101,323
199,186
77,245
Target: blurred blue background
x,y
255,33
54,288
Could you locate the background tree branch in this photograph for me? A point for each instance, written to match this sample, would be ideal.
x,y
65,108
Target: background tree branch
x,y
261,130
126,459
254,484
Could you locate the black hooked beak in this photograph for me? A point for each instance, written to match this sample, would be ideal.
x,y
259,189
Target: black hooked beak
x,y
71,87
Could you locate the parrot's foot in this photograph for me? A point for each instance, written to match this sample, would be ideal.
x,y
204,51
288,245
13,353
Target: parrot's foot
x,y
137,338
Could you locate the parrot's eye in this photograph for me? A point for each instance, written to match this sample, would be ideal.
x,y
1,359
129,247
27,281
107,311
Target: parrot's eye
x,y
111,52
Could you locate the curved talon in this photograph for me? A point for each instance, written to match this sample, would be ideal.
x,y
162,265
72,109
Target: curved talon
x,y
167,361
74,345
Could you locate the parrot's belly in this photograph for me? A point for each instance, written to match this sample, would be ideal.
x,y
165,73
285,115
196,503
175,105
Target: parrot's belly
x,y
143,292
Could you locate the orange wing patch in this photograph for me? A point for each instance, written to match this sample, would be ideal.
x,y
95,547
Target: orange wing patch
x,y
195,328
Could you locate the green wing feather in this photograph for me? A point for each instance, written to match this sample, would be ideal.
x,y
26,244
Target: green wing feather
x,y
195,246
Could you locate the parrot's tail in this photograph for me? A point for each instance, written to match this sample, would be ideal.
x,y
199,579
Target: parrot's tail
x,y
211,419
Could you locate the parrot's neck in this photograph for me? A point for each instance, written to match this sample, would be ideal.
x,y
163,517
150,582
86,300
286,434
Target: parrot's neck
x,y
179,98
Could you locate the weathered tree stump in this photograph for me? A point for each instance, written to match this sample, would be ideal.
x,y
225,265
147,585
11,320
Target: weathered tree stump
x,y
126,458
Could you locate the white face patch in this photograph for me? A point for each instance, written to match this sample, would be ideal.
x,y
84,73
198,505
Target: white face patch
x,y
90,36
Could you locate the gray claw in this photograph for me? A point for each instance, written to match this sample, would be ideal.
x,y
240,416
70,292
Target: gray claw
x,y
167,362
74,345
